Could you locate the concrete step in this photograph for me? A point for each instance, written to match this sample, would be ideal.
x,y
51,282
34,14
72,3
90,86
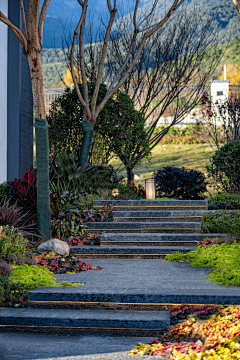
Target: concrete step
x,y
154,216
136,237
127,252
127,205
137,323
146,227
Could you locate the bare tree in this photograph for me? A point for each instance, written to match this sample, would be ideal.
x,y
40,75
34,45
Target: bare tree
x,y
30,39
142,31
172,69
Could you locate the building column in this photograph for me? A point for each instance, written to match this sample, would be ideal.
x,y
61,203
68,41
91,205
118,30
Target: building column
x,y
3,93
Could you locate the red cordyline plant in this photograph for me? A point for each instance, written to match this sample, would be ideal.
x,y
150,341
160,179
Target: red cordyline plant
x,y
24,191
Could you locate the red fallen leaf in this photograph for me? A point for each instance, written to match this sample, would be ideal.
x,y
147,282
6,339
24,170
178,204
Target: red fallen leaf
x,y
98,268
80,242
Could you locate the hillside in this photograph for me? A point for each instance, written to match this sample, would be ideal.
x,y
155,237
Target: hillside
x,y
65,14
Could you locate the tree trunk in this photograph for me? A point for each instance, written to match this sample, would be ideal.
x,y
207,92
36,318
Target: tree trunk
x,y
86,143
130,175
34,62
42,146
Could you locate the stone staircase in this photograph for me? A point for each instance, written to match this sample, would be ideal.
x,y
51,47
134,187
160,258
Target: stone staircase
x,y
147,229
126,298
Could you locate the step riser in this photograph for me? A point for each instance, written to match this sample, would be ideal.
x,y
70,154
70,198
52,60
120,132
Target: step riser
x,y
63,331
145,231
157,208
146,226
166,214
123,256
167,299
116,250
154,219
151,203
133,237
97,306
84,323
149,243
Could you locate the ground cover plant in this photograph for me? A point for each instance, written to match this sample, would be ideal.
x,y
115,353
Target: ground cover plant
x,y
215,338
11,241
221,256
63,264
31,277
222,221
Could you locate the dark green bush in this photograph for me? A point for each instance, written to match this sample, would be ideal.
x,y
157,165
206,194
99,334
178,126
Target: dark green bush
x,y
180,183
224,167
222,221
224,201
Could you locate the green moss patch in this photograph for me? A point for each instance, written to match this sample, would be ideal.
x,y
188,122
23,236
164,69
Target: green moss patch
x,y
223,258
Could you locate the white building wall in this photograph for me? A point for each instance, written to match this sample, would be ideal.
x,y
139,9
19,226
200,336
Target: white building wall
x,y
3,93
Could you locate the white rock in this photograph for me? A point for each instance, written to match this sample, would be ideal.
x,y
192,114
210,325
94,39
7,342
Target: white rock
x,y
60,247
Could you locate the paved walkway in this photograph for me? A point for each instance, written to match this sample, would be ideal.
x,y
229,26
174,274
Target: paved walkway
x,y
138,280
40,347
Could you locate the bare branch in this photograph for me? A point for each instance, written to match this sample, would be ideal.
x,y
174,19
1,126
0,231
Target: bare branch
x,y
24,26
21,38
82,65
174,7
101,64
109,5
135,16
112,90
82,18
237,4
81,2
42,20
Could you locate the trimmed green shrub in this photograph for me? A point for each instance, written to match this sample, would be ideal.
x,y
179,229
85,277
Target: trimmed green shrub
x,y
33,276
11,241
223,258
224,167
180,183
222,221
225,202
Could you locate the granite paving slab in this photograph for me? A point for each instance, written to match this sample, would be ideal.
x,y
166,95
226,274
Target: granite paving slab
x,y
84,318
157,237
41,347
132,203
144,225
129,249
138,281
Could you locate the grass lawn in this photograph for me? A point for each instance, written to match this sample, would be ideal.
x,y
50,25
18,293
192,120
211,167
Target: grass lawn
x,y
194,156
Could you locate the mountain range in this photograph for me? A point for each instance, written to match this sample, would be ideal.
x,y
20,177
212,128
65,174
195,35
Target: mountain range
x,y
65,14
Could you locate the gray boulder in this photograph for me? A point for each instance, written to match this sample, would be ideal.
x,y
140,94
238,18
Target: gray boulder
x,y
58,246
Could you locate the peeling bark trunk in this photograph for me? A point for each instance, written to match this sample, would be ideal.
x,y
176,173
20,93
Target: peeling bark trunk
x,y
130,175
34,62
